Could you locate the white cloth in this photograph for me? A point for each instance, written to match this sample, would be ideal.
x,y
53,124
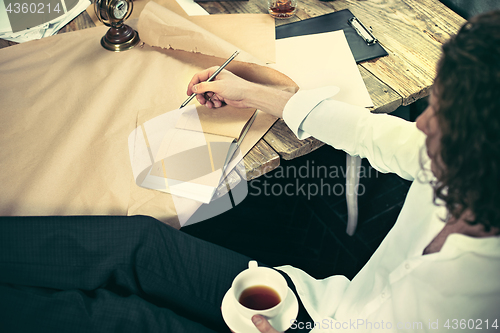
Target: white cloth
x,y
399,289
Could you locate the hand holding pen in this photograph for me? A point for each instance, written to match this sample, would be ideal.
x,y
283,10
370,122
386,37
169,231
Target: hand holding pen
x,y
213,75
214,91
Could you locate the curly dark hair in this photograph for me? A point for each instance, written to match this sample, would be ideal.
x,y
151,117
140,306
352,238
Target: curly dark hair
x,y
467,87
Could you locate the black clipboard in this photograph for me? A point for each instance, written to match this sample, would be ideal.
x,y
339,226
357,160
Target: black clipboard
x,y
362,48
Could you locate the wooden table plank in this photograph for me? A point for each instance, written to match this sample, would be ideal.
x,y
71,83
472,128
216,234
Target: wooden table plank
x,y
6,43
385,100
82,21
286,144
260,160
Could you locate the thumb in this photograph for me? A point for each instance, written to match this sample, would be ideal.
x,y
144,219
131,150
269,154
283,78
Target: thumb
x,y
262,324
204,87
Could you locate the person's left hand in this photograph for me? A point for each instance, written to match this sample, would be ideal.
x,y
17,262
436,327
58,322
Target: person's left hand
x,y
263,325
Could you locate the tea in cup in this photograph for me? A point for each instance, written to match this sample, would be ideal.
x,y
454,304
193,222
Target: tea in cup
x,y
259,290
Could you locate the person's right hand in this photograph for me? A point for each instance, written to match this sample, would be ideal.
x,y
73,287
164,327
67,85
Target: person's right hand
x,y
232,90
225,88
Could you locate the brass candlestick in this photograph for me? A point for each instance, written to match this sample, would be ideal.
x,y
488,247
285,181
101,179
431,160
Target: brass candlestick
x,y
113,13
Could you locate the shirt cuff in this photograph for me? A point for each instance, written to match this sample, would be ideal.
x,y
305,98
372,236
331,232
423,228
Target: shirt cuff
x,y
301,104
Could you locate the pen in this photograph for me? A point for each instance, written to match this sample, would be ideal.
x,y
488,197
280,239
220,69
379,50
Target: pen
x,y
212,77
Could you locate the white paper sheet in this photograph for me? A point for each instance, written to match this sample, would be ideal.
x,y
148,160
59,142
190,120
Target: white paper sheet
x,y
4,19
43,30
319,60
186,163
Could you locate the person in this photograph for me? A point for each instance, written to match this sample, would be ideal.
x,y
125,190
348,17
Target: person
x,y
440,262
436,270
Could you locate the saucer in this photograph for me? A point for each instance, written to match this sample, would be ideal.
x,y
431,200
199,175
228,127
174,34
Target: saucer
x,y
239,324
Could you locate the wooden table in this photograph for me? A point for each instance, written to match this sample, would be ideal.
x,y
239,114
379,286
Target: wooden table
x,y
411,31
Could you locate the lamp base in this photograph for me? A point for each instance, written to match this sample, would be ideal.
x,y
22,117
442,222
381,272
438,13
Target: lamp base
x,y
120,38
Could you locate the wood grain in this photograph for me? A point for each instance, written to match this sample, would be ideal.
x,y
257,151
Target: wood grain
x,y
6,43
260,160
285,143
82,21
385,100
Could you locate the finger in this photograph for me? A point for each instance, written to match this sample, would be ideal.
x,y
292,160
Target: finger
x,y
263,325
204,98
212,100
201,99
208,103
200,77
205,87
217,101
209,95
197,78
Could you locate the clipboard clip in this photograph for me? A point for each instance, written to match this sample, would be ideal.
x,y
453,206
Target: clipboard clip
x,y
362,31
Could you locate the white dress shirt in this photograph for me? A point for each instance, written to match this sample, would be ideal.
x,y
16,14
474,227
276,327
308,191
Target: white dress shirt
x,y
399,289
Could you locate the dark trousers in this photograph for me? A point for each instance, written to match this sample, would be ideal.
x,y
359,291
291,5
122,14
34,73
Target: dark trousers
x,y
111,274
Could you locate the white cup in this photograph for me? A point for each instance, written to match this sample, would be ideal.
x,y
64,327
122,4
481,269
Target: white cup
x,y
259,276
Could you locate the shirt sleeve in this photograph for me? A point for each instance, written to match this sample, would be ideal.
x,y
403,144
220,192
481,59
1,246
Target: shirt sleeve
x,y
389,143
